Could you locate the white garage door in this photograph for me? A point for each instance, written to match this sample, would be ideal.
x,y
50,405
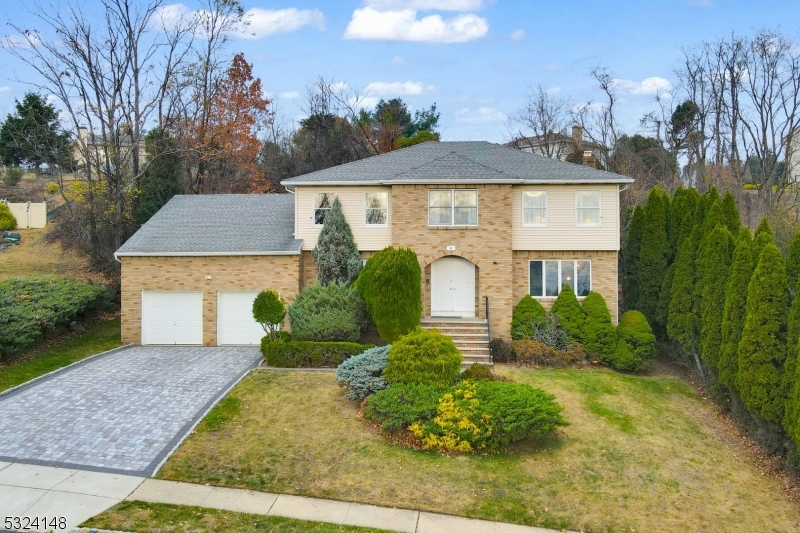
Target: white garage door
x,y
172,317
235,322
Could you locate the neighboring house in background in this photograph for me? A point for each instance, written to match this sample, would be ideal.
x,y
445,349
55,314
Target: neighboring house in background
x,y
485,221
97,145
793,156
560,146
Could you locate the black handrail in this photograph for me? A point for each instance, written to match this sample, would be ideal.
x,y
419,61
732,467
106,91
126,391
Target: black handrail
x,y
489,328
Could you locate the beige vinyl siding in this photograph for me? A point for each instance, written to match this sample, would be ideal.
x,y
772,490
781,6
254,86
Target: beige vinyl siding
x,y
368,238
561,232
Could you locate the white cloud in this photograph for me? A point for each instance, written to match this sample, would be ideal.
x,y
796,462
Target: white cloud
x,y
338,86
364,102
426,5
653,85
29,40
289,95
401,88
553,90
482,115
517,35
397,60
370,24
4,89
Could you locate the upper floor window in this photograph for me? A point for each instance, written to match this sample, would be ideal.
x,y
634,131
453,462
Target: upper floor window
x,y
376,209
322,204
457,207
587,208
534,208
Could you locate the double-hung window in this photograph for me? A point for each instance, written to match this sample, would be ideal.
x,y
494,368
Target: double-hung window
x,y
376,209
322,204
452,207
548,276
534,208
587,208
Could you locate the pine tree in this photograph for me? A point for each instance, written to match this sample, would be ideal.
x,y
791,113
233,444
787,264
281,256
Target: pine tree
x,y
713,268
793,263
600,335
681,322
731,213
568,311
762,348
733,313
630,257
336,252
653,254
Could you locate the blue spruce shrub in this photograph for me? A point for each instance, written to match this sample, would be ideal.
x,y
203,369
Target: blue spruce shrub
x,y
363,372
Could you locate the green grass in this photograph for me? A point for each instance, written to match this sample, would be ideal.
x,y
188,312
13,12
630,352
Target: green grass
x,y
642,453
100,338
156,518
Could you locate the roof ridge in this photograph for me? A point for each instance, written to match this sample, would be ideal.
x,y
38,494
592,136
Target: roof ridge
x,y
490,168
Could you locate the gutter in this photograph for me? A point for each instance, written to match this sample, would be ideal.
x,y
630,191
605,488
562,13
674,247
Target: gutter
x,y
456,181
117,255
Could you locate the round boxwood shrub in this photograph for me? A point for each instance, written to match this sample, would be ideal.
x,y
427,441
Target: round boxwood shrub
x,y
332,312
636,345
7,220
599,335
363,372
424,357
391,285
527,312
269,309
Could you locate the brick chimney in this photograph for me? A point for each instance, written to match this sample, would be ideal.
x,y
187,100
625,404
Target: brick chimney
x,y
588,159
577,136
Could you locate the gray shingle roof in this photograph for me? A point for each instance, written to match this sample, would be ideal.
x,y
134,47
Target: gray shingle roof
x,y
476,161
218,224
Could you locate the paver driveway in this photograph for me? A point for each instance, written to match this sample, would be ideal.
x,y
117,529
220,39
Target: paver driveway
x,y
122,412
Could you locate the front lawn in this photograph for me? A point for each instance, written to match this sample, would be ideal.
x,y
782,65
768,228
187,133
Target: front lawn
x,y
641,453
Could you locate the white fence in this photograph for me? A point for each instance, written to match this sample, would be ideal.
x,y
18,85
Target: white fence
x,y
29,215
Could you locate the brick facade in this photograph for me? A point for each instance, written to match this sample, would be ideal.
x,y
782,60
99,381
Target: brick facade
x,y
228,273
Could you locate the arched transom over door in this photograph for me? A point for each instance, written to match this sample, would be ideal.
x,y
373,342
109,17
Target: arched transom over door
x,y
453,287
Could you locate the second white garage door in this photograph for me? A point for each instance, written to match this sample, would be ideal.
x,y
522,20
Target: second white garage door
x,y
235,322
172,317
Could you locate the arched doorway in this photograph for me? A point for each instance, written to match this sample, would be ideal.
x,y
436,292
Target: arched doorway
x,y
453,287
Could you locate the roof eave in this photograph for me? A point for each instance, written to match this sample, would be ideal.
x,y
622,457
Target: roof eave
x,y
117,255
514,181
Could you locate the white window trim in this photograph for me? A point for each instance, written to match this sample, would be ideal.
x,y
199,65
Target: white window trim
x,y
599,208
546,210
575,269
314,206
368,225
453,210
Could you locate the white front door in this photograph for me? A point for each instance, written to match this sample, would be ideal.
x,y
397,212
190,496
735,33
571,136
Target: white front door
x,y
172,317
235,322
452,287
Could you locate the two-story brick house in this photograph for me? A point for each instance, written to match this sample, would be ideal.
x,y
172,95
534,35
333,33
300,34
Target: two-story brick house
x,y
485,221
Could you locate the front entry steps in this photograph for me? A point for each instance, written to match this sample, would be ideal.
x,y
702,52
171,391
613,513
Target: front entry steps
x,y
471,336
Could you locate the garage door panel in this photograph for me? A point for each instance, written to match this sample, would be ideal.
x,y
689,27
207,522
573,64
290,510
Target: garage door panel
x,y
235,322
172,317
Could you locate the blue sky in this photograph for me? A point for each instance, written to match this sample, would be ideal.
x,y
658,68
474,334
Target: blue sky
x,y
474,58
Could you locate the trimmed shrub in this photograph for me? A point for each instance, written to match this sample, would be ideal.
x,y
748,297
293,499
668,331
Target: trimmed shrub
x,y
636,346
500,350
425,357
391,285
531,352
478,372
336,252
7,220
285,353
269,310
332,312
527,312
28,306
486,415
401,405
568,311
363,372
599,335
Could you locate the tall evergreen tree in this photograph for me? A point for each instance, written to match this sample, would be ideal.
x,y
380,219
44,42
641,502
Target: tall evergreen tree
x,y
791,417
691,198
792,338
336,252
714,217
681,321
653,255
793,263
662,312
698,219
712,268
762,348
161,180
733,313
677,213
762,237
731,213
630,257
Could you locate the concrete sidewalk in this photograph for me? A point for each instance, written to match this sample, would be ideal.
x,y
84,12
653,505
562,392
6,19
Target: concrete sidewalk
x,y
317,510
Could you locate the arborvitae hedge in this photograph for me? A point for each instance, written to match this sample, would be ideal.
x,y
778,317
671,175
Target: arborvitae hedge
x,y
336,252
653,255
636,344
662,311
733,313
791,417
391,285
762,347
681,208
681,321
568,311
792,338
687,224
762,237
599,334
525,314
630,257
793,263
713,267
732,219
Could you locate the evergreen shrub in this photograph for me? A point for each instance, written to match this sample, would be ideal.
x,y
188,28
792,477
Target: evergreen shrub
x,y
269,310
391,285
12,176
568,311
424,357
636,345
287,353
363,373
527,313
478,372
336,252
599,334
7,220
400,405
501,351
332,312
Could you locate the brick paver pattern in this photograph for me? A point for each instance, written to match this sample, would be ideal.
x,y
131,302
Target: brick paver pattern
x,y
119,411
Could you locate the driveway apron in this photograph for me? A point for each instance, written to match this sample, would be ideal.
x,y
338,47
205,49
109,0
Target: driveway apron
x,y
123,412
